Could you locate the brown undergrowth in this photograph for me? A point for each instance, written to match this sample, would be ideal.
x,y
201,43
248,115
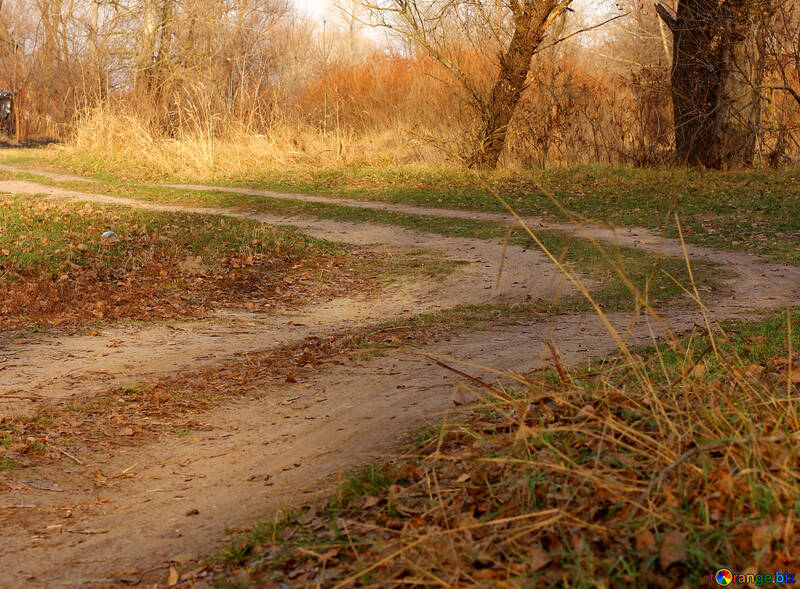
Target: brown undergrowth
x,y
649,469
57,269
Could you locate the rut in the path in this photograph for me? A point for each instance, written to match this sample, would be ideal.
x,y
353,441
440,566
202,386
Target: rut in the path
x,y
127,508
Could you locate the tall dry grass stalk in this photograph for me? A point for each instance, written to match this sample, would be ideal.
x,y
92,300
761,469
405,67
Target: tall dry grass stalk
x,y
118,139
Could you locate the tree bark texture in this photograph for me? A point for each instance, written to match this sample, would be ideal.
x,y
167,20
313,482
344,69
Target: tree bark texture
x,y
531,21
717,71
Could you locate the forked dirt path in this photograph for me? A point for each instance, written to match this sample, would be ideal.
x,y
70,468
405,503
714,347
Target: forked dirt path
x,y
55,366
525,272
133,508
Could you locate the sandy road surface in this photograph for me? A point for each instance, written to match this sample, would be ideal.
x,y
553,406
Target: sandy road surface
x,y
126,509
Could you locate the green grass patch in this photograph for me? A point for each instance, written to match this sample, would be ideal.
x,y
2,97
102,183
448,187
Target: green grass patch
x,y
762,347
57,268
52,236
749,210
646,271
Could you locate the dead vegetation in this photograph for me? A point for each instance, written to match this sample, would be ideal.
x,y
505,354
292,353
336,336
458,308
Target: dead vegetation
x,y
60,267
257,81
648,469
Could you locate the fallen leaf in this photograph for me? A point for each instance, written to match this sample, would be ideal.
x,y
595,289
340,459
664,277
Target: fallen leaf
x,y
326,556
193,573
484,574
672,549
754,370
762,536
172,579
306,358
669,498
646,543
538,559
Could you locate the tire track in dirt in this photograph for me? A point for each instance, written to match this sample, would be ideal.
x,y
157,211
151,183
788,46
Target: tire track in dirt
x,y
95,363
261,454
298,436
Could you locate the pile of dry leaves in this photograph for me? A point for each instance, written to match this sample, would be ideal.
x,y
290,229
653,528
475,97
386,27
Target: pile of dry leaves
x,y
58,269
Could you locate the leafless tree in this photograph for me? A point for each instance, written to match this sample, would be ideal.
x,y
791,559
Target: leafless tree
x,y
515,29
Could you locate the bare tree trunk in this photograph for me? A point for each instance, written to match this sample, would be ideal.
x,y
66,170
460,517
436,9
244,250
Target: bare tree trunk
x,y
162,58
154,47
94,42
739,122
662,29
531,21
717,69
145,63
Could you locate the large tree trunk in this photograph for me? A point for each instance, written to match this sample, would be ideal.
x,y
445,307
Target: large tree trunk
x,y
717,70
531,21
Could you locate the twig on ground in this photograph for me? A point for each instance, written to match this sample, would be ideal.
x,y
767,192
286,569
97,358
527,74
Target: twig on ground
x,y
70,456
469,377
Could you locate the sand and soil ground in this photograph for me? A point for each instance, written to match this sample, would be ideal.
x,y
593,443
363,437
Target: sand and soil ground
x,y
221,360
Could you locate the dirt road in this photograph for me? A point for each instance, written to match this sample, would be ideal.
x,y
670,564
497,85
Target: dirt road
x,y
128,511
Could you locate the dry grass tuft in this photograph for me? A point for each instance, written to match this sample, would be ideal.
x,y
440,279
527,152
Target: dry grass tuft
x,y
649,470
117,139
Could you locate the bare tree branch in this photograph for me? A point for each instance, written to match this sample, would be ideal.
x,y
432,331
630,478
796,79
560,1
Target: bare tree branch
x,y
666,16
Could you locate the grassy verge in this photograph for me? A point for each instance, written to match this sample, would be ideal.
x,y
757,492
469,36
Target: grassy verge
x,y
648,272
755,211
57,269
596,477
